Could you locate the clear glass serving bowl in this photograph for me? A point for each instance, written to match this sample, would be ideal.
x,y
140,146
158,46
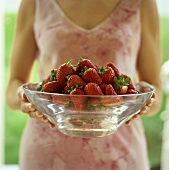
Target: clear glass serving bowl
x,y
96,116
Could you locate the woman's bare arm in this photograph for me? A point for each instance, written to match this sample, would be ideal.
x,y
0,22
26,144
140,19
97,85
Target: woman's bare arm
x,y
149,61
23,52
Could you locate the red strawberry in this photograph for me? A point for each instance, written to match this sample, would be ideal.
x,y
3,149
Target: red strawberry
x,y
78,101
66,89
49,78
112,101
60,99
131,91
116,71
97,67
123,90
90,75
121,84
93,89
75,80
106,74
94,101
46,79
132,97
63,71
82,62
103,87
131,85
110,90
53,87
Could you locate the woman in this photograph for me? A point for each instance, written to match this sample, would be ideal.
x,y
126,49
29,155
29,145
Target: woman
x,y
125,32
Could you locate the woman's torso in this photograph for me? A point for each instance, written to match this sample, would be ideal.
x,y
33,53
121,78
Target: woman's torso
x,y
115,39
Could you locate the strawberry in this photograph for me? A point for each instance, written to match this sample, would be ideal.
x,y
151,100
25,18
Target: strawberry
x,y
66,90
40,86
51,77
110,90
116,71
122,90
93,89
94,101
103,87
112,101
131,85
97,67
47,79
131,91
106,74
60,99
82,62
121,84
90,75
78,101
132,97
63,71
75,80
52,87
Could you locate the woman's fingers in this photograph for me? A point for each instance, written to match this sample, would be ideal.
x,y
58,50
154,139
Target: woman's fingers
x,y
144,110
25,99
32,114
147,107
44,118
150,102
51,124
30,109
22,95
39,114
137,116
35,114
27,107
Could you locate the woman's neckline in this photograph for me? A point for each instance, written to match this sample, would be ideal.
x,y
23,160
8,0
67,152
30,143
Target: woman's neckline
x,y
78,26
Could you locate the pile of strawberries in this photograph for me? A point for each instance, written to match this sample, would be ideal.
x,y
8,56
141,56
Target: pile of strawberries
x,y
83,79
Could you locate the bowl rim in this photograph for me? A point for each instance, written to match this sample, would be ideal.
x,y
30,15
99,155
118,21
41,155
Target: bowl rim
x,y
25,88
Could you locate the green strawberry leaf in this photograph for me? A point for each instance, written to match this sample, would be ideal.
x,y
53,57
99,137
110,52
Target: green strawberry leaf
x,y
40,86
53,75
102,70
121,77
116,86
127,81
115,79
68,77
83,70
121,81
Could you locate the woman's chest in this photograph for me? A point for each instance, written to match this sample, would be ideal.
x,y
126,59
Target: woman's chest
x,y
87,14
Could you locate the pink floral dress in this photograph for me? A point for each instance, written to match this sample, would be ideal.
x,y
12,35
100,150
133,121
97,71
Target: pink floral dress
x,y
116,39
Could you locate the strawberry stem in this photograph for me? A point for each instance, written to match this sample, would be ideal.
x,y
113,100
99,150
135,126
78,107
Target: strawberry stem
x,y
102,70
83,70
53,75
121,81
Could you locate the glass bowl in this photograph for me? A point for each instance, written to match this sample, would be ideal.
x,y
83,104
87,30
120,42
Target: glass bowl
x,y
88,116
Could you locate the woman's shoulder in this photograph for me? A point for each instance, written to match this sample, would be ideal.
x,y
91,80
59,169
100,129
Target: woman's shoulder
x,y
149,4
26,12
149,10
27,7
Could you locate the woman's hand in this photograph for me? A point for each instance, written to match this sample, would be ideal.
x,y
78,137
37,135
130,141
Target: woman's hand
x,y
145,109
30,109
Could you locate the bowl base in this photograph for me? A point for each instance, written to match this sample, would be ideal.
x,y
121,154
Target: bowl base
x,y
88,133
